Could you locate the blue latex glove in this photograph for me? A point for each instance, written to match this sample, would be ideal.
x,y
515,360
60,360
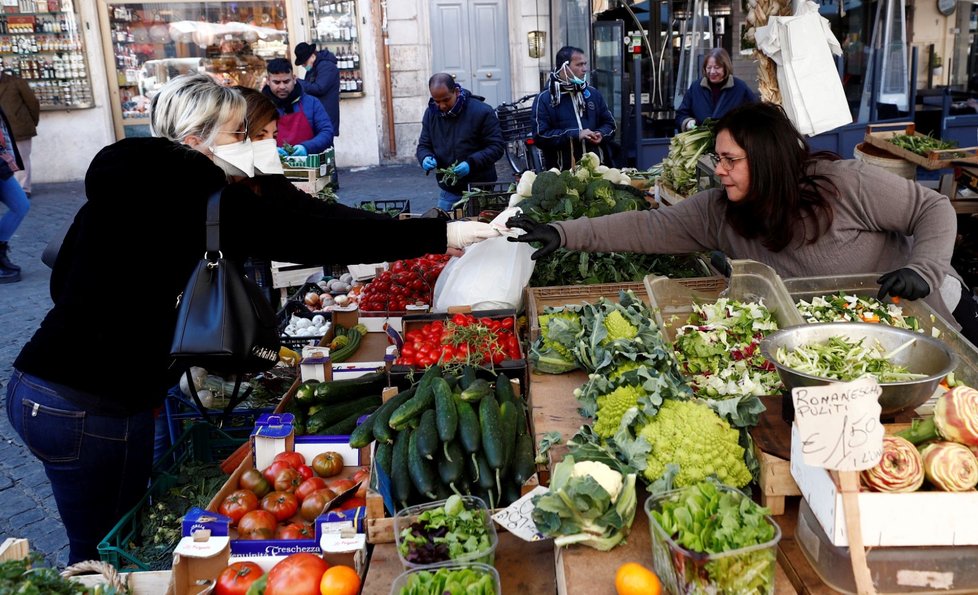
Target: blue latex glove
x,y
462,169
299,151
282,152
429,163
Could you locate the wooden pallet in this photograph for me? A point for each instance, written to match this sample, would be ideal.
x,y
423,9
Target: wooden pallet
x,y
934,160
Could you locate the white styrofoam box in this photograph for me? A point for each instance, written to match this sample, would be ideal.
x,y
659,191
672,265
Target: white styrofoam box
x,y
909,519
310,446
375,324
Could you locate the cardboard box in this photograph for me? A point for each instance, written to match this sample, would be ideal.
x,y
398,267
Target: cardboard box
x,y
198,557
909,519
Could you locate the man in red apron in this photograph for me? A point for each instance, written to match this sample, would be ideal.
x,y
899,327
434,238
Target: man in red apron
x,y
302,121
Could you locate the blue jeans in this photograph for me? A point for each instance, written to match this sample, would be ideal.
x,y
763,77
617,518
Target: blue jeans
x,y
446,199
99,466
12,195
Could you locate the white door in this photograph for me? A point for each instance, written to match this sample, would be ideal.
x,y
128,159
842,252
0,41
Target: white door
x,y
470,41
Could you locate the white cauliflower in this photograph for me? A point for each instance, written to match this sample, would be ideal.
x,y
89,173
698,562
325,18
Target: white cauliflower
x,y
525,186
607,478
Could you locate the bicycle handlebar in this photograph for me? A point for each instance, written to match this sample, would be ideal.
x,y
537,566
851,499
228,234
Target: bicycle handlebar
x,y
516,103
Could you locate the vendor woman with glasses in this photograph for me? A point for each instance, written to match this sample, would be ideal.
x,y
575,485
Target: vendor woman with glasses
x,y
718,92
802,213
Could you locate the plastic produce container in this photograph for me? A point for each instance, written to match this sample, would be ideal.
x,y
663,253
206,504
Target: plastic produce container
x,y
931,569
406,516
404,582
684,572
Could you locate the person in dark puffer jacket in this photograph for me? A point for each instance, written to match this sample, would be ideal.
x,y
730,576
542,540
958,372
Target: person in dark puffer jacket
x,y
718,92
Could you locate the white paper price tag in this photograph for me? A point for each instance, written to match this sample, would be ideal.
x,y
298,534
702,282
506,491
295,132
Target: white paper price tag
x,y
516,517
840,424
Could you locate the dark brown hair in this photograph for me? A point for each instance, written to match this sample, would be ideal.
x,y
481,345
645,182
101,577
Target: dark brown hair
x,y
721,57
784,197
260,110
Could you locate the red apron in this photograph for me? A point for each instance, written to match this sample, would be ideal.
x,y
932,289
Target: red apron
x,y
294,128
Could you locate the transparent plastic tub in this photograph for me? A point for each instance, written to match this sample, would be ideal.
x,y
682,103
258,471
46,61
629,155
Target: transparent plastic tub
x,y
405,517
405,581
806,288
751,281
943,569
684,572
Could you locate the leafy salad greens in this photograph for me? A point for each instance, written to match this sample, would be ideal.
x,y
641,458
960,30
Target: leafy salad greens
x,y
447,532
843,307
842,358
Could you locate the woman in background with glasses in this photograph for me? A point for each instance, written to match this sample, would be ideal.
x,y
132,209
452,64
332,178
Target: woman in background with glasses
x,y
718,92
802,213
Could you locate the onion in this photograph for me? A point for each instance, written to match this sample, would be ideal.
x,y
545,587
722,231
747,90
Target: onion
x,y
901,468
950,466
312,299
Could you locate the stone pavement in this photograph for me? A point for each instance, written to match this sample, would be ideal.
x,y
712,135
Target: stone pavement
x,y
28,507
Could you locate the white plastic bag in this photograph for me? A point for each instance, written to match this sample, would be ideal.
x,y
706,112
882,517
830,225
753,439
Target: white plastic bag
x,y
490,275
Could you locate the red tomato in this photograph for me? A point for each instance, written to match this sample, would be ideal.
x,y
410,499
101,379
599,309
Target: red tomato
x,y
460,320
309,486
397,266
295,531
314,503
294,459
299,574
341,485
257,524
328,464
253,480
236,578
508,322
287,480
305,471
282,505
447,353
237,504
272,471
353,502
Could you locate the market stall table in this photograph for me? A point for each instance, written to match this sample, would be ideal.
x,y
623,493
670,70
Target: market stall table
x,y
524,568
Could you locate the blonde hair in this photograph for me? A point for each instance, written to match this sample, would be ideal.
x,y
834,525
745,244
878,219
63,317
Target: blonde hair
x,y
195,105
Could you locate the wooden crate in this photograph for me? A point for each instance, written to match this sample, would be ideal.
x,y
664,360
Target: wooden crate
x,y
934,160
775,481
538,298
666,195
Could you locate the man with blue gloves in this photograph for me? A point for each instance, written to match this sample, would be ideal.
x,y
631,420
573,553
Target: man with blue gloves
x,y
459,131
302,119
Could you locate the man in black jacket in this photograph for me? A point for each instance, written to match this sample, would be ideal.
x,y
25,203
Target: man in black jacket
x,y
458,131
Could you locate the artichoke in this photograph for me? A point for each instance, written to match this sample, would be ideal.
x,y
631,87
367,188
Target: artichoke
x,y
950,466
955,419
900,469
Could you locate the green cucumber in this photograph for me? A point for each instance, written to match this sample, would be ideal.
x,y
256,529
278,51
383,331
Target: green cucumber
x,y
469,432
480,472
427,435
451,465
523,466
400,480
468,376
507,422
521,427
446,415
382,430
504,389
363,434
511,493
347,424
423,399
452,381
476,391
419,469
382,456
492,433
326,417
352,388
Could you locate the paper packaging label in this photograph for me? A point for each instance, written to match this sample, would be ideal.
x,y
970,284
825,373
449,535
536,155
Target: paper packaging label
x,y
516,518
840,424
198,518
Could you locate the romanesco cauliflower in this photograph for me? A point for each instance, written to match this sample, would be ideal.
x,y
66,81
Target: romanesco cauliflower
x,y
619,327
612,407
625,366
694,437
552,352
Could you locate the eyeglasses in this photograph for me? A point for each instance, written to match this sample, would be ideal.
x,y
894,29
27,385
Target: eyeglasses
x,y
715,68
726,162
239,133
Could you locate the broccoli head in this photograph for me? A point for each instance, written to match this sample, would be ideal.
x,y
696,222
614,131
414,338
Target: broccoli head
x,y
549,187
573,183
599,197
612,407
691,435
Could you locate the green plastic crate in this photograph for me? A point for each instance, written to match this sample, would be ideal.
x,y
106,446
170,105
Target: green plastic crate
x,y
202,443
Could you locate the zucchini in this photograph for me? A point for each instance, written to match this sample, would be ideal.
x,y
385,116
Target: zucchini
x,y
427,435
507,422
382,430
423,399
306,393
400,481
352,388
346,352
451,465
340,411
504,390
468,376
422,476
523,465
363,434
446,415
469,432
476,391
382,456
492,433
348,424
299,417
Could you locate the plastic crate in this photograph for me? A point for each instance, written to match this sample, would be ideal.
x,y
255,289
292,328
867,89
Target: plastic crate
x,y
201,443
492,196
182,414
393,207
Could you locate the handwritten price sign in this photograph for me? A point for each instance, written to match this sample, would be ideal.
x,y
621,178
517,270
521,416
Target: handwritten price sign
x,y
840,424
516,517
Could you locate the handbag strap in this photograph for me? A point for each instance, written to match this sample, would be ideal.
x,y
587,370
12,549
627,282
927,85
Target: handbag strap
x,y
214,223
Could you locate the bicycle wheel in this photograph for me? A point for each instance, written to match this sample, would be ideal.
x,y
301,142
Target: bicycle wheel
x,y
516,156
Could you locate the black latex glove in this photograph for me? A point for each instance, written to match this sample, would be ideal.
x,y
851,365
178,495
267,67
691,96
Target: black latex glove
x,y
904,283
536,232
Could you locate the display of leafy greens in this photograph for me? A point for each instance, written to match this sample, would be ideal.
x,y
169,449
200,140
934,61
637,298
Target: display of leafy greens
x,y
446,532
28,576
842,358
570,267
843,307
467,581
923,144
685,149
709,519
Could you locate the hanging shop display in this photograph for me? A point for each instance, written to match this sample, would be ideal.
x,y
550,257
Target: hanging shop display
x,y
335,27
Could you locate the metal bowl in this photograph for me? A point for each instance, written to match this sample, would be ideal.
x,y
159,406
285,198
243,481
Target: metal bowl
x,y
925,356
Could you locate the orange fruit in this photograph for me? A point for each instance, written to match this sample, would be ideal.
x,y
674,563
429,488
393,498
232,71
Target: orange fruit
x,y
340,580
635,579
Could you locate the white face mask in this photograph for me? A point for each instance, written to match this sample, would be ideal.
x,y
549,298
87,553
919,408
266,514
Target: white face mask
x,y
266,157
236,159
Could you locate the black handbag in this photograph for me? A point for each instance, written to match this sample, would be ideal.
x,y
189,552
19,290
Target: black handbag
x,y
224,323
